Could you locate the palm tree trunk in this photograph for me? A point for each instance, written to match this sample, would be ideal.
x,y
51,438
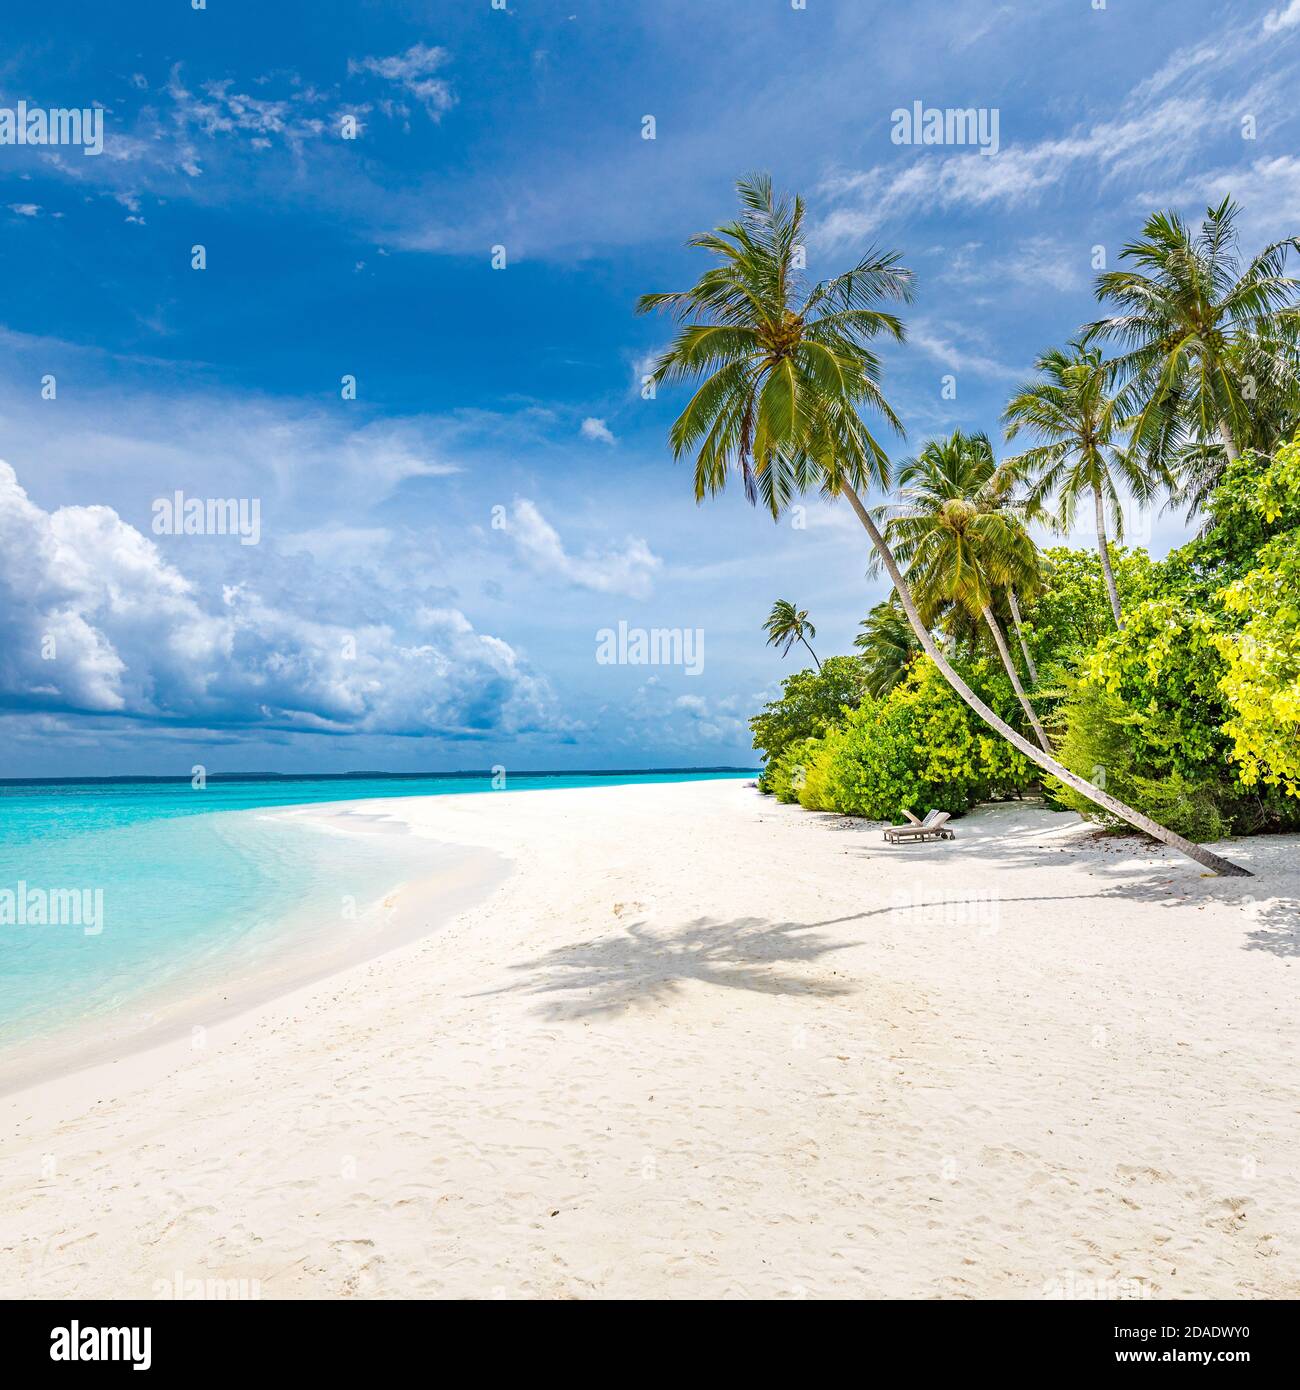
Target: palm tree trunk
x,y
1020,635
1103,549
1000,641
1036,755
1229,443
811,653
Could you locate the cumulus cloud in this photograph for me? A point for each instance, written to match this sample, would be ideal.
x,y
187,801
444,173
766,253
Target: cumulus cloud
x,y
597,430
686,722
94,620
413,71
628,570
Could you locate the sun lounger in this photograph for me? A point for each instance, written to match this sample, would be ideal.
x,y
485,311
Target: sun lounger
x,y
934,826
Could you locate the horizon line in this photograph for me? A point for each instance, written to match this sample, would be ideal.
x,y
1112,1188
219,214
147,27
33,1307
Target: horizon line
x,y
345,776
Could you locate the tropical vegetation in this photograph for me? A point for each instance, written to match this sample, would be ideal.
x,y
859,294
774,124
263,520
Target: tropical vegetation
x,y
1157,695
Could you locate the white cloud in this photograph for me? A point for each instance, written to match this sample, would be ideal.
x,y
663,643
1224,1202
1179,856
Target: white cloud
x,y
1268,191
1287,18
1035,262
1161,136
25,209
147,444
94,620
629,570
940,344
597,430
683,721
413,71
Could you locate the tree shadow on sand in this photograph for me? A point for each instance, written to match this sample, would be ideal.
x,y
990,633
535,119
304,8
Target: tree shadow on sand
x,y
643,966
1017,838
1278,931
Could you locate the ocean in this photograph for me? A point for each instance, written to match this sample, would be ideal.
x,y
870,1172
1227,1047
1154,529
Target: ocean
x,y
130,907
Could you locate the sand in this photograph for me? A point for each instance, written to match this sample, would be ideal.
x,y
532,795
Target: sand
x,y
700,1045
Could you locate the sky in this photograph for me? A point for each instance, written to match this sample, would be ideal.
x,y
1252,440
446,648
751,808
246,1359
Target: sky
x,y
453,207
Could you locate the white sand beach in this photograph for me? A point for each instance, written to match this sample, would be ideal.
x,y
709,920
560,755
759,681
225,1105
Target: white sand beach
x,y
697,1044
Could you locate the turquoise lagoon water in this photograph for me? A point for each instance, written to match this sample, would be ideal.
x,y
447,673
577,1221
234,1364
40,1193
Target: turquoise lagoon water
x,y
199,889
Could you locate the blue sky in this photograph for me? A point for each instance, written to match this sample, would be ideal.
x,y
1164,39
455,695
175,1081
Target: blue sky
x,y
437,555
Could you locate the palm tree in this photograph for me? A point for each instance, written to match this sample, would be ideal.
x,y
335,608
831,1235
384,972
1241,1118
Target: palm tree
x,y
1082,451
1017,622
1269,371
888,646
785,627
1000,492
960,542
785,372
1191,320
770,353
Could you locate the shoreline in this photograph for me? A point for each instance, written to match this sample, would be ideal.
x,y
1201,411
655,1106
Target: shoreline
x,y
185,1009
698,1044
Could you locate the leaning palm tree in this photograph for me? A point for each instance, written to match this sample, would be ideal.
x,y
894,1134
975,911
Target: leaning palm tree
x,y
786,371
888,646
785,626
1083,451
1190,319
959,541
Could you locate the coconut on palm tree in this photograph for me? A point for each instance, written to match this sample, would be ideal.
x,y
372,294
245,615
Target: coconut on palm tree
x,y
787,625
784,370
960,542
1200,332
1083,450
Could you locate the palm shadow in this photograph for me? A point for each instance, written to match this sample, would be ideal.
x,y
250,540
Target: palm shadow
x,y
1278,931
641,967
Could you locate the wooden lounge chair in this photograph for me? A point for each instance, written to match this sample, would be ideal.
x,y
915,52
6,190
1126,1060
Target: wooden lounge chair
x,y
934,826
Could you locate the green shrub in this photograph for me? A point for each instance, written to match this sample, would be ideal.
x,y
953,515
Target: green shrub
x,y
818,790
789,772
919,749
1072,612
1256,502
1261,679
811,702
1145,719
